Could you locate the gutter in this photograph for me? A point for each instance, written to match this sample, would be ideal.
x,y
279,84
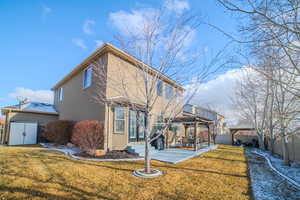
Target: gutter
x,y
8,110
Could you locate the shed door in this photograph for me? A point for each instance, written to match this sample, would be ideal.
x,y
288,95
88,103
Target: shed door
x,y
22,133
31,133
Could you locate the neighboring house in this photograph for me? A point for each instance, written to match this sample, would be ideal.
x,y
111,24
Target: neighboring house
x,y
208,115
211,123
74,96
26,118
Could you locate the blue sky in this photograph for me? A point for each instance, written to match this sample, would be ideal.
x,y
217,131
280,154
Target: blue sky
x,y
41,41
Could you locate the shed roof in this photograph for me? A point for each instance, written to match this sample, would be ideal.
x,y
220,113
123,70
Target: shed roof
x,y
33,107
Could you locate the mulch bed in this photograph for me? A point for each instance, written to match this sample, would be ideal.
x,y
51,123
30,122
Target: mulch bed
x,y
109,155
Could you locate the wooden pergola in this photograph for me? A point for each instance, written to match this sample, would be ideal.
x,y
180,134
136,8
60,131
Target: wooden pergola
x,y
194,121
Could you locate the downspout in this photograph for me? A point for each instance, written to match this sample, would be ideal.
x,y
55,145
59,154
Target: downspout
x,y
108,128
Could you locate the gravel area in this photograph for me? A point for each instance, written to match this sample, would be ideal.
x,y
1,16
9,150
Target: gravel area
x,y
266,184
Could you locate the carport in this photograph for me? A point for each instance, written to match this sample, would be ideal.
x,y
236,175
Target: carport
x,y
235,130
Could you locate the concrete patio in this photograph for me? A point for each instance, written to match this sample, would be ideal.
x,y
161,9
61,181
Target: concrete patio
x,y
172,155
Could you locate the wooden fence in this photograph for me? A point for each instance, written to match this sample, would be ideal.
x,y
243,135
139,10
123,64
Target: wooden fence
x,y
293,146
1,131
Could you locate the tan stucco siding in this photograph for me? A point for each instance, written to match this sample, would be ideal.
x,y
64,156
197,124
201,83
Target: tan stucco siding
x,y
41,119
122,74
126,80
78,102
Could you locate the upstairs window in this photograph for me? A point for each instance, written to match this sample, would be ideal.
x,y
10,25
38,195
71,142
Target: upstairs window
x,y
178,95
159,88
169,91
61,94
119,126
87,77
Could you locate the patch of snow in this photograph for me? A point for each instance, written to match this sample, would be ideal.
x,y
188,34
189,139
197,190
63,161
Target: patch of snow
x,y
292,172
40,107
266,184
66,150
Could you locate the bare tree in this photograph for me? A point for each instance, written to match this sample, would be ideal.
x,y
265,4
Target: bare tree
x,y
286,110
269,24
162,54
270,31
251,100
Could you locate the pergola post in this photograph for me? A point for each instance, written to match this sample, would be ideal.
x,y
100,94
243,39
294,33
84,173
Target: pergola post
x,y
195,136
185,130
167,139
208,139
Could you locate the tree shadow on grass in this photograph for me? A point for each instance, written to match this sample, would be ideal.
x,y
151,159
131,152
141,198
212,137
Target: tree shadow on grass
x,y
218,158
31,192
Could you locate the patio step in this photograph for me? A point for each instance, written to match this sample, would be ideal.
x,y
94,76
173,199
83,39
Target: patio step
x,y
139,150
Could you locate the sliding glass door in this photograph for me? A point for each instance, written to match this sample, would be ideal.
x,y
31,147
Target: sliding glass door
x,y
136,126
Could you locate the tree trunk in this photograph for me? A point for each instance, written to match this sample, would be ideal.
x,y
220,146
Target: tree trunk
x,y
147,155
285,151
147,146
272,143
261,141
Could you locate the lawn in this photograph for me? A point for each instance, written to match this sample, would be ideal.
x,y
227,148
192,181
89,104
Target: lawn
x,y
38,173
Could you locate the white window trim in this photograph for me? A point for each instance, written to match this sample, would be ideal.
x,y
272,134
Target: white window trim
x,y
115,120
84,77
129,118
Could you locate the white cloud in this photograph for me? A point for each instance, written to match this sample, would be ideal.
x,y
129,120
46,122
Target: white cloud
x,y
99,43
87,27
177,6
79,42
132,22
217,93
46,11
33,95
135,22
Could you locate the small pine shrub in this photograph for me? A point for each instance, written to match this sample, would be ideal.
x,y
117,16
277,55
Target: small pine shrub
x,y
59,131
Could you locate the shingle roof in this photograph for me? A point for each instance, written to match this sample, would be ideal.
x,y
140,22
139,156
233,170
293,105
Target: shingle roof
x,y
107,47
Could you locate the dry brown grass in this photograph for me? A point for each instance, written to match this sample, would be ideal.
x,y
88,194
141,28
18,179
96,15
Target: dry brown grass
x,y
37,173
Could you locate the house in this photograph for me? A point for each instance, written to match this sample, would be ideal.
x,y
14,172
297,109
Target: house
x,y
28,117
208,115
83,94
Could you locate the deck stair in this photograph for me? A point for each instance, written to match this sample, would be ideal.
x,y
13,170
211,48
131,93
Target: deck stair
x,y
139,150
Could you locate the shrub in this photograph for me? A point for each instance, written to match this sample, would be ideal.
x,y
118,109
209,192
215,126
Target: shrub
x,y
59,131
89,135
